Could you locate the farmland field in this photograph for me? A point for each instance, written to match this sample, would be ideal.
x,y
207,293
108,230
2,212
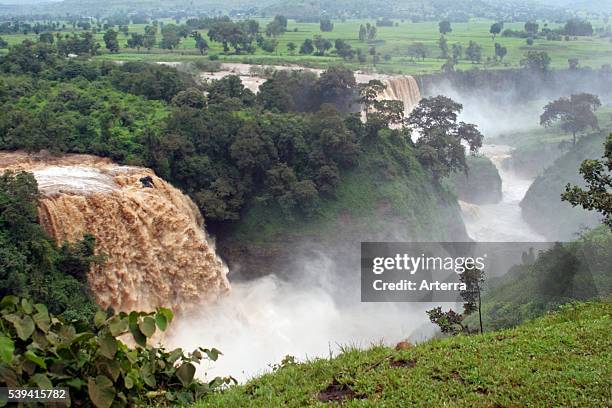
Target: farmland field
x,y
391,43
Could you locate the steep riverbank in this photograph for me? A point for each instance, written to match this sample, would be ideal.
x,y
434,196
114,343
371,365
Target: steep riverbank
x,y
502,221
542,206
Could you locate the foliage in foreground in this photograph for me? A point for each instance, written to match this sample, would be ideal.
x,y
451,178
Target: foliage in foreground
x,y
38,349
561,359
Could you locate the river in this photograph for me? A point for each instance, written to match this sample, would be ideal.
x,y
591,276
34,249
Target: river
x,y
502,222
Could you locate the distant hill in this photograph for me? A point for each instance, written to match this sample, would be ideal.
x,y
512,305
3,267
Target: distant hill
x,y
415,9
518,10
29,2
111,7
299,9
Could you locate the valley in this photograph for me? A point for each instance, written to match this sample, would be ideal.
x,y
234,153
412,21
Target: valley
x,y
195,198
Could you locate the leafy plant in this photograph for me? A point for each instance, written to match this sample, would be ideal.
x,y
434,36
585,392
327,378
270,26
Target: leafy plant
x,y
38,349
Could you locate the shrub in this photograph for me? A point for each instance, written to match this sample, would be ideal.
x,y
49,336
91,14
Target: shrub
x,y
40,350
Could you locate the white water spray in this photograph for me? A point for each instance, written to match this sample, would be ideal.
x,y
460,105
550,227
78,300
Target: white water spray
x,y
501,222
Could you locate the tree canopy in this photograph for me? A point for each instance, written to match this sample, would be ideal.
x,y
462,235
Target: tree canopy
x,y
574,114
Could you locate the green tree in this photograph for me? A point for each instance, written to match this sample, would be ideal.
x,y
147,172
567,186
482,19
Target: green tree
x,y
269,44
233,34
277,26
495,29
500,51
171,37
362,33
473,52
337,86
110,40
439,146
326,25
457,52
418,50
443,45
200,42
575,114
368,94
372,31
452,322
444,27
321,44
150,37
192,98
46,37
344,49
597,175
578,27
573,63
136,40
531,28
307,47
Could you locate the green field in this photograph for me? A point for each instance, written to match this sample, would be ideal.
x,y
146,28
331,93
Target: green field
x,y
392,41
562,359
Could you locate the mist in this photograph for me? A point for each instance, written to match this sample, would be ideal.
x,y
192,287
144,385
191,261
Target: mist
x,y
309,316
313,308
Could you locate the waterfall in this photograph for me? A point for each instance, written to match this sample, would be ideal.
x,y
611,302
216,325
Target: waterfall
x,y
156,251
402,88
502,221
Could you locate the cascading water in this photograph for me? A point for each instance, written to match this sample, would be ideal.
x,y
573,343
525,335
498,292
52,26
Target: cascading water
x,y
151,235
399,88
402,88
501,222
158,254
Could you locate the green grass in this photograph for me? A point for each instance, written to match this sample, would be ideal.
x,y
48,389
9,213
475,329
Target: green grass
x,y
562,359
393,41
534,138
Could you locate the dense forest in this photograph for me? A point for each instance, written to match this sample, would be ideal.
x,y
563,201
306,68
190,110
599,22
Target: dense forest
x,y
217,141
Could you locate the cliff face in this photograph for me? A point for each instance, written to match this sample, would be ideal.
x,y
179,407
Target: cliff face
x,y
151,235
542,207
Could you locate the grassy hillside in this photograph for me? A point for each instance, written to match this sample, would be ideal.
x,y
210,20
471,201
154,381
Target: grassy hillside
x,y
562,359
577,270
